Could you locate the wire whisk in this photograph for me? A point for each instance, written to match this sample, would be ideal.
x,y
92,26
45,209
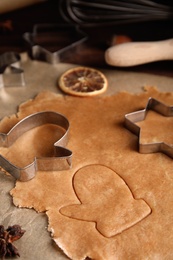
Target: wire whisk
x,y
97,12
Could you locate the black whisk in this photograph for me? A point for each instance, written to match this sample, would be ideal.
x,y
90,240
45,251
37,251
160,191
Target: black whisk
x,y
98,12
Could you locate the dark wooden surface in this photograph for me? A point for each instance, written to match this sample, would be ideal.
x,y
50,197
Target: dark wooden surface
x,y
14,24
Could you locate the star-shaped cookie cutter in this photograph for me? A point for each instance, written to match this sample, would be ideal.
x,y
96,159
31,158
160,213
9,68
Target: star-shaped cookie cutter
x,y
11,72
62,156
63,38
132,118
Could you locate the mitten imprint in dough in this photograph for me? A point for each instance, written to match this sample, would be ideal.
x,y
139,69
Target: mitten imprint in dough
x,y
106,200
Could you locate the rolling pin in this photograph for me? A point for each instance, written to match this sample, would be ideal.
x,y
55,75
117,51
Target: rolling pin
x,y
136,53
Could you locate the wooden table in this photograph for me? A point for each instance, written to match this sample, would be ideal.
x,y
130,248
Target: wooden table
x,y
15,23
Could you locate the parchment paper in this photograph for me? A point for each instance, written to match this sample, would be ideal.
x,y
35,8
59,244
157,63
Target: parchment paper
x,y
37,243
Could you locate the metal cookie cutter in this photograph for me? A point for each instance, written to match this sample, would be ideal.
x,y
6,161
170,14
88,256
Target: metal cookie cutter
x,y
132,118
62,156
10,70
62,40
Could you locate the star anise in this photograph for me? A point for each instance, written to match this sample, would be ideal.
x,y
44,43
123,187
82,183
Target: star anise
x,y
7,237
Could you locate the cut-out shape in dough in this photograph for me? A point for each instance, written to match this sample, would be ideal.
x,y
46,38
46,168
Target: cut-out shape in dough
x,y
106,200
156,128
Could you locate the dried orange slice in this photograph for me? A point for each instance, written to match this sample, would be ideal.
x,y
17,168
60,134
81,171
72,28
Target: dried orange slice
x,y
83,81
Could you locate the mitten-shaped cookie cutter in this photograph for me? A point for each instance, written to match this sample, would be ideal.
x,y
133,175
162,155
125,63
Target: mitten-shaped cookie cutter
x,y
132,118
62,156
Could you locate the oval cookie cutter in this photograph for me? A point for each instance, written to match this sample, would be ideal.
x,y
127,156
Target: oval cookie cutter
x,y
132,118
62,156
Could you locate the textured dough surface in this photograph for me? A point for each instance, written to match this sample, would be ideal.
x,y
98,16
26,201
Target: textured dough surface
x,y
109,179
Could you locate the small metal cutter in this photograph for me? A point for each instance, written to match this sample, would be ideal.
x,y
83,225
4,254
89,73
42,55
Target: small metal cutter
x,y
132,118
62,156
10,71
64,40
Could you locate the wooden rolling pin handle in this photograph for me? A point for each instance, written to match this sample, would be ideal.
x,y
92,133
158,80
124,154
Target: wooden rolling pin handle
x,y
136,53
